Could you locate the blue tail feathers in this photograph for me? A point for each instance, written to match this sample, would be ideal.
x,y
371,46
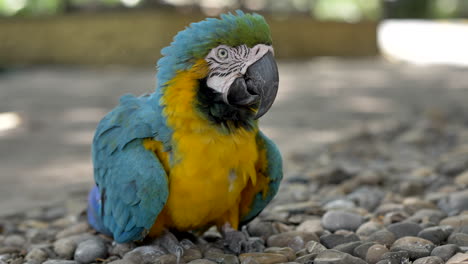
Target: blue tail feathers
x,y
94,217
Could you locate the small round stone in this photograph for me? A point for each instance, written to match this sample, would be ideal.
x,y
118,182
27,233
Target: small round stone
x,y
429,260
348,247
333,240
368,228
201,261
36,255
399,256
311,225
375,252
313,247
459,223
403,229
65,248
14,241
73,230
264,258
367,197
286,251
459,258
144,254
460,239
445,252
427,215
336,220
286,239
415,246
436,234
336,257
59,261
383,237
361,251
165,259
454,203
90,250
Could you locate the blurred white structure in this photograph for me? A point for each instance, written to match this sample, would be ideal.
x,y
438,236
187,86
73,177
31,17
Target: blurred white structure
x,y
424,42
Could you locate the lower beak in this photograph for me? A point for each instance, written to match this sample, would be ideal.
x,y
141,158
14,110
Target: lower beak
x,y
258,87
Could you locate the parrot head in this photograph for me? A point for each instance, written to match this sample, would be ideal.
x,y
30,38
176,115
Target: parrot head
x,y
240,77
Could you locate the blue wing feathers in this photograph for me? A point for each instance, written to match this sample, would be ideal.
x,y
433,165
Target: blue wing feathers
x,y
131,182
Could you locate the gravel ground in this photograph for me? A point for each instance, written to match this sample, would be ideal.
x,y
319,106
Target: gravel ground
x,y
392,193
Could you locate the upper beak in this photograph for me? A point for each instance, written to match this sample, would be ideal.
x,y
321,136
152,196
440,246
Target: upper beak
x,y
258,87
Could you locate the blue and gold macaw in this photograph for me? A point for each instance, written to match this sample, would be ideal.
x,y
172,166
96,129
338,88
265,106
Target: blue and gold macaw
x,y
191,155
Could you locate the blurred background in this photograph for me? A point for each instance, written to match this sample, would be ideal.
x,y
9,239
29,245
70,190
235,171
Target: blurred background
x,y
344,65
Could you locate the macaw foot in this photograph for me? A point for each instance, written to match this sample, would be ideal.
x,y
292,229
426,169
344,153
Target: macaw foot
x,y
169,241
234,240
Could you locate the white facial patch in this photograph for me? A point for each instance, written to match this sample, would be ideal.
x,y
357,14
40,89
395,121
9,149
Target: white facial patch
x,y
228,63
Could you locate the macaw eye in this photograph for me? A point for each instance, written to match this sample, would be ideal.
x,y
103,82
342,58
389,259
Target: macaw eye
x,y
222,53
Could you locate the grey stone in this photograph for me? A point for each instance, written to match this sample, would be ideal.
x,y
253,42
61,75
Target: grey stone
x,y
428,215
403,229
65,248
336,220
288,252
460,239
90,250
436,234
144,254
165,259
337,257
120,249
313,247
399,256
415,246
311,225
390,261
59,261
253,244
445,252
192,254
459,223
383,237
291,239
453,165
73,230
339,204
263,258
375,252
234,240
36,255
202,261
454,203
221,258
429,260
348,247
459,258
361,251
333,240
368,228
367,197
14,241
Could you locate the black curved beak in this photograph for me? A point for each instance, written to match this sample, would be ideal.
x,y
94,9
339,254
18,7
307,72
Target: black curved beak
x,y
258,87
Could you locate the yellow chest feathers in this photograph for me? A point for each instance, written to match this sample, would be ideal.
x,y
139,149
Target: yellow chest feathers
x,y
208,168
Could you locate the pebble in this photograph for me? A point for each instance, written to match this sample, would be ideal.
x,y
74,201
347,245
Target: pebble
x,y
361,251
65,248
460,239
383,237
287,239
234,240
253,244
367,197
286,251
144,254
306,259
164,259
59,261
336,257
454,203
436,234
445,252
368,228
459,223
339,204
264,258
313,247
462,178
90,250
311,226
202,261
348,247
14,241
427,215
459,258
404,229
375,252
36,255
222,258
73,230
336,220
120,249
333,240
398,256
429,260
415,246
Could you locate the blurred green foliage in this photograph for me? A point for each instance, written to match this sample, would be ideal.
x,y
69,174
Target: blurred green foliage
x,y
336,10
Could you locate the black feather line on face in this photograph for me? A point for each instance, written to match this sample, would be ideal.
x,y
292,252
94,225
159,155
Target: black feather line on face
x,y
211,105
